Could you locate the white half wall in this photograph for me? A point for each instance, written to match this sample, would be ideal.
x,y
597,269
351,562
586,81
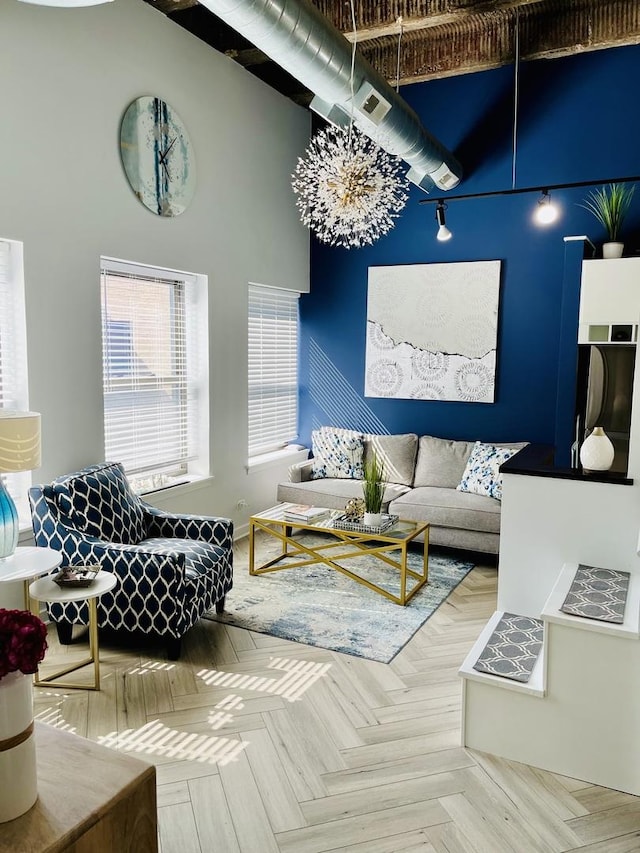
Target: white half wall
x,y
67,77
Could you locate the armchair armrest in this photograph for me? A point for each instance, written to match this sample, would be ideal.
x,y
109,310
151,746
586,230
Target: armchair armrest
x,y
214,529
301,471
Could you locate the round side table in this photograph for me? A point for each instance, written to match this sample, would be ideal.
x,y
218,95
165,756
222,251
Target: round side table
x,y
27,563
47,590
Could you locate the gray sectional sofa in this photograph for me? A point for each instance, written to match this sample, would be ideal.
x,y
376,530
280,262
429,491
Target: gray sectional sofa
x,y
423,474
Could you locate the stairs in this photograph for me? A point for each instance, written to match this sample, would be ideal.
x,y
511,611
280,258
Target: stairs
x,y
579,713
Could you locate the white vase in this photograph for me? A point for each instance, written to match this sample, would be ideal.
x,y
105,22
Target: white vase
x,y
18,777
612,250
596,453
372,519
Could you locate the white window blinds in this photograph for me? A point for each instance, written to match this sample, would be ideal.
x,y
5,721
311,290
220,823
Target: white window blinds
x,y
273,368
13,355
150,369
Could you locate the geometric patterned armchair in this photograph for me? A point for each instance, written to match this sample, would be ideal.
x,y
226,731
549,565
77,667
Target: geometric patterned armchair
x,y
170,568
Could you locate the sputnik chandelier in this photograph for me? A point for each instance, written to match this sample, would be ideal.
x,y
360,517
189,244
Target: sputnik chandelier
x,y
349,190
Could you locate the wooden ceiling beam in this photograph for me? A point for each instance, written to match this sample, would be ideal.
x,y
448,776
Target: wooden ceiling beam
x,y
482,42
454,14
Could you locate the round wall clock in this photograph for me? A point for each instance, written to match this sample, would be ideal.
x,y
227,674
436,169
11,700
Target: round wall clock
x,y
157,156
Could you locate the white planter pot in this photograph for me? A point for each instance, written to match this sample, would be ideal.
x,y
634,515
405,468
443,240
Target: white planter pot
x,y
372,519
18,778
612,250
596,453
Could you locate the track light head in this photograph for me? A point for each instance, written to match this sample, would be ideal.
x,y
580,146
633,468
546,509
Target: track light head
x,y
443,232
546,211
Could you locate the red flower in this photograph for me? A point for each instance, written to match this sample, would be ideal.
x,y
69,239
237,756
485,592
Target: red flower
x,y
23,641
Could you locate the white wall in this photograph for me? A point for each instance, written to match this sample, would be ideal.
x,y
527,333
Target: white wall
x,y
67,77
547,522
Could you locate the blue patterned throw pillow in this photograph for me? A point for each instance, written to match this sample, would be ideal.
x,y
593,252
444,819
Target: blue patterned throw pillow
x,y
337,453
481,475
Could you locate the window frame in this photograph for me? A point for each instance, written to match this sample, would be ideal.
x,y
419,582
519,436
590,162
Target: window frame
x,y
13,330
282,305
192,464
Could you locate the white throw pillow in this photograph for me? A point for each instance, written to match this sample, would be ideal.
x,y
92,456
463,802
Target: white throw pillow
x,y
337,453
481,475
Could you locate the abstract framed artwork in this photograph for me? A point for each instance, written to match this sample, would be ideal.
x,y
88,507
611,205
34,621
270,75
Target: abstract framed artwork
x,y
432,331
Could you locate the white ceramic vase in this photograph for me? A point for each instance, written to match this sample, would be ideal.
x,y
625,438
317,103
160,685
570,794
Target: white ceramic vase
x,y
372,519
612,250
18,777
596,453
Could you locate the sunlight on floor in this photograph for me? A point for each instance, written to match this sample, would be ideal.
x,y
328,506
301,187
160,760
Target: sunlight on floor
x,y
298,677
155,738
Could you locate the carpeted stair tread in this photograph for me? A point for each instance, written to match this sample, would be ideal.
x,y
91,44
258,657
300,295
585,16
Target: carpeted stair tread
x,y
599,594
513,648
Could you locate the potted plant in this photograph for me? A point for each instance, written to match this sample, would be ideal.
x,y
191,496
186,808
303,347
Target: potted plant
x,y
610,205
373,488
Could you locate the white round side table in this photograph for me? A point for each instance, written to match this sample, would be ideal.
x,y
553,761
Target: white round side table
x,y
27,563
48,590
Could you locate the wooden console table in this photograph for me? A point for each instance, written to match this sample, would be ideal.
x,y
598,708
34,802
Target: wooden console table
x,y
91,799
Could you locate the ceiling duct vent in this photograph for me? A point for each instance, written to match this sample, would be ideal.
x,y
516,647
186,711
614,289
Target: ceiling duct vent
x,y
296,35
330,112
370,105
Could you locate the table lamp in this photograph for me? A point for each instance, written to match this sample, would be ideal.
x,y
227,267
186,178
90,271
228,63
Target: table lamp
x,y
19,451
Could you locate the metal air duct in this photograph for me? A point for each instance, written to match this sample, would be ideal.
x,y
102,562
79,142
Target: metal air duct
x,y
301,40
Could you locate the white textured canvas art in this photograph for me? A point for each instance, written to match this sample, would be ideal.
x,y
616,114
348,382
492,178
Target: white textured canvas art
x,y
432,331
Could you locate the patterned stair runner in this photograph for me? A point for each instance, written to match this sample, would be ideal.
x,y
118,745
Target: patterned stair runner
x,y
598,594
513,648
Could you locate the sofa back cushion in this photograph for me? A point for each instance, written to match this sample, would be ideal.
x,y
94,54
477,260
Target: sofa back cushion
x,y
337,453
99,502
441,461
397,454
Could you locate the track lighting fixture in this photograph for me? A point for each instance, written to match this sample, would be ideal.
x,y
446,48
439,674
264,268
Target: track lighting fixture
x,y
546,211
443,232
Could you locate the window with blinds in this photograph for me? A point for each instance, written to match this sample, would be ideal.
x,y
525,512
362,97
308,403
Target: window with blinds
x,y
152,372
13,356
273,368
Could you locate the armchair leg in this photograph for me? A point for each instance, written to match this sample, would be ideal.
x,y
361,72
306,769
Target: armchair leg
x,y
220,605
65,630
174,645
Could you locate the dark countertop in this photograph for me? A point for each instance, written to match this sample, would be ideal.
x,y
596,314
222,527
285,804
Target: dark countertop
x,y
536,460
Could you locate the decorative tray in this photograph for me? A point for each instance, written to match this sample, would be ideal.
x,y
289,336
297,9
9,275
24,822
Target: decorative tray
x,y
341,523
76,578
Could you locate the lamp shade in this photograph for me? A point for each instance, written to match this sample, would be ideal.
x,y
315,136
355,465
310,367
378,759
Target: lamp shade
x,y
19,441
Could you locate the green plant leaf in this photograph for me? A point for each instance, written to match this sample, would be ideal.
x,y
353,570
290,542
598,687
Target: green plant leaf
x,y
610,205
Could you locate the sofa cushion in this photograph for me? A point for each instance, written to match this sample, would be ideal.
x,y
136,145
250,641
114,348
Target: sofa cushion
x,y
100,503
441,461
397,454
333,493
337,454
448,508
482,475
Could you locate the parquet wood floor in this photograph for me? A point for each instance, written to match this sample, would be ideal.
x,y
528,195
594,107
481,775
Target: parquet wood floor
x,y
267,746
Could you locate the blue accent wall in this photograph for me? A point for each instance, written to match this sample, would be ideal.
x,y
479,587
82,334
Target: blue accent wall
x,y
577,122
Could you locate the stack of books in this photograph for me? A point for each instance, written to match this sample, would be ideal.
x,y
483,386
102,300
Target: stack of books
x,y
304,513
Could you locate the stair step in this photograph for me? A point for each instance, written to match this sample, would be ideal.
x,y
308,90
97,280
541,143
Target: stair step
x,y
552,612
535,686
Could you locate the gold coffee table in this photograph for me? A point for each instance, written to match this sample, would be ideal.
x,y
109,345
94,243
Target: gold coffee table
x,y
389,547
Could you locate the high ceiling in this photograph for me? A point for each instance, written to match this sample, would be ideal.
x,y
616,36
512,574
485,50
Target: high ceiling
x,y
439,38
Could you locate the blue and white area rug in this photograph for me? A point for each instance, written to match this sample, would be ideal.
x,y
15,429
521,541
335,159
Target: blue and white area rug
x,y
322,607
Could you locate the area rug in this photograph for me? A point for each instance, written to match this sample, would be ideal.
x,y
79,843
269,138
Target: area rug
x,y
322,607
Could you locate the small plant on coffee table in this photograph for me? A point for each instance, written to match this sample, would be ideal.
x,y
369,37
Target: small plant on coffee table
x,y
373,484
